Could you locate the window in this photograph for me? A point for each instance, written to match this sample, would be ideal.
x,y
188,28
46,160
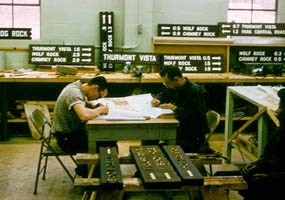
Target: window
x,y
21,14
252,11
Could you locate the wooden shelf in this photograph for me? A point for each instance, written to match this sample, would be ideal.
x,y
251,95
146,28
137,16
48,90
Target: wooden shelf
x,y
17,120
240,118
211,46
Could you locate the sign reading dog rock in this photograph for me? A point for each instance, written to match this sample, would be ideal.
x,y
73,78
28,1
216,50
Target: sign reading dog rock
x,y
15,33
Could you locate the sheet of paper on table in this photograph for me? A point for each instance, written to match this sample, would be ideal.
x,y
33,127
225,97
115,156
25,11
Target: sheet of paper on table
x,y
268,96
136,107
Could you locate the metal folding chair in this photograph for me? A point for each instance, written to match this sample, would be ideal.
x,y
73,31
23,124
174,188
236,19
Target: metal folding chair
x,y
213,119
48,148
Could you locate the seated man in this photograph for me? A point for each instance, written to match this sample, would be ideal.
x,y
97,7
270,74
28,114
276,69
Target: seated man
x,y
187,101
265,176
71,111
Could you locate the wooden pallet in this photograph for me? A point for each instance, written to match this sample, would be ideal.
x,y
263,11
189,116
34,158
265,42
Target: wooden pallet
x,y
214,188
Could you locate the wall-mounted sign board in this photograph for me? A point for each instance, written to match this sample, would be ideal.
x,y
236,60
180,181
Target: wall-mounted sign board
x,y
195,63
251,29
183,30
61,54
257,55
15,33
134,58
107,37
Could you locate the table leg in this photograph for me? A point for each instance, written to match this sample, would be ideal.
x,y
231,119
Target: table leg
x,y
228,124
4,110
262,133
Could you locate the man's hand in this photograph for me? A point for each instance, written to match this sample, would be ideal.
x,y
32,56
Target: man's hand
x,y
102,110
168,106
155,102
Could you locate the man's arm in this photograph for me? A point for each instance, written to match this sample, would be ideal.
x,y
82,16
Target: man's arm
x,y
85,113
165,96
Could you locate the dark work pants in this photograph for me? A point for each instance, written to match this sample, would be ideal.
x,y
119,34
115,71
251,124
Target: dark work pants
x,y
74,142
77,142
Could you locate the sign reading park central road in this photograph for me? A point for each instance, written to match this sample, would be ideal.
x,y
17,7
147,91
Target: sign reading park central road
x,y
254,29
61,54
194,63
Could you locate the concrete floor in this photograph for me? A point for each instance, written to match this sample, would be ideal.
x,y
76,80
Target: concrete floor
x,y
18,161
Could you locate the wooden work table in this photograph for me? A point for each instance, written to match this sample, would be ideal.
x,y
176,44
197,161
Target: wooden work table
x,y
117,77
152,129
266,100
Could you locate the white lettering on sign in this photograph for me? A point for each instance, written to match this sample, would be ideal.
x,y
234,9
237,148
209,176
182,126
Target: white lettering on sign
x,y
195,58
244,53
248,59
43,48
60,60
39,54
188,28
147,58
270,26
209,34
104,46
202,28
277,59
4,34
52,54
184,62
279,32
39,59
258,53
172,57
169,63
263,32
167,175
265,59
196,34
191,69
246,31
206,57
64,48
110,41
109,29
152,175
119,57
19,33
251,26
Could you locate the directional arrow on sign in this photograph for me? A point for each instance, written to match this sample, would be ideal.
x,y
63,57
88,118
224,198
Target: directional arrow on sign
x,y
165,33
216,63
104,19
165,28
226,25
86,49
109,19
216,58
216,69
86,60
86,54
226,31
